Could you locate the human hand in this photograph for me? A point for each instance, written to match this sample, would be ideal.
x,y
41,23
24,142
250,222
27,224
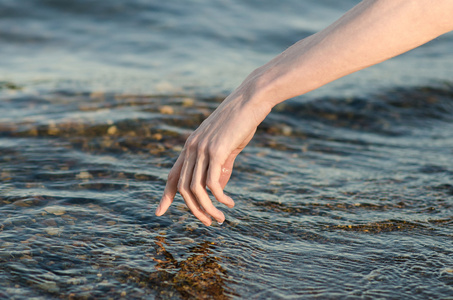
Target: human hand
x,y
371,32
206,162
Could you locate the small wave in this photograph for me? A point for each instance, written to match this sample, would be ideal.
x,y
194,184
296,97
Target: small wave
x,y
392,113
382,226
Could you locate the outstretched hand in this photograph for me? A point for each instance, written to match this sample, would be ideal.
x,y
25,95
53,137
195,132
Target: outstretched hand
x,y
206,162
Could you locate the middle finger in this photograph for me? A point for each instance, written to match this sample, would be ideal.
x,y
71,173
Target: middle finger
x,y
184,189
198,188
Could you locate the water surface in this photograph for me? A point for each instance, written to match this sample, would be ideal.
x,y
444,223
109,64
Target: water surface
x,y
343,193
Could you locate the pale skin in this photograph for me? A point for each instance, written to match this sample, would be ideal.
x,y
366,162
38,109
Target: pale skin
x,y
371,32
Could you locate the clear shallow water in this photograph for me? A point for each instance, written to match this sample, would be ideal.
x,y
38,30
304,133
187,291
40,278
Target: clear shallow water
x,y
346,192
333,201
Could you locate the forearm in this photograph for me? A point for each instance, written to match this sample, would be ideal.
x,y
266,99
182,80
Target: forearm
x,y
370,33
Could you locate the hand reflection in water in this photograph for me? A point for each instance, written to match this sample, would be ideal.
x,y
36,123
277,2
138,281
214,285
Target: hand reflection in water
x,y
371,32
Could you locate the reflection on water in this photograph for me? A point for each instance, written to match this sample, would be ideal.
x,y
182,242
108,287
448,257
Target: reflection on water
x,y
335,198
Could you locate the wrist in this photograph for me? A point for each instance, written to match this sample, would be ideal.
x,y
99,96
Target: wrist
x,y
260,88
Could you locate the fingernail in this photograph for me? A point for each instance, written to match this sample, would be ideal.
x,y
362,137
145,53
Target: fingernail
x,y
220,219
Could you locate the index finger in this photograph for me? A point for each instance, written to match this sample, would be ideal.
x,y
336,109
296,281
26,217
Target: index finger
x,y
171,187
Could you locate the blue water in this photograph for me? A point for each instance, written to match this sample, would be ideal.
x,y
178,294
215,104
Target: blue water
x,y
158,47
346,192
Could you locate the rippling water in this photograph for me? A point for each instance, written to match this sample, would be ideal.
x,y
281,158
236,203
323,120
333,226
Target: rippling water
x,y
335,198
342,193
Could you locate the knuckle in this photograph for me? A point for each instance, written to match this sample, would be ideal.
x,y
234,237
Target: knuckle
x,y
211,184
171,175
188,145
191,142
202,147
195,188
212,152
182,189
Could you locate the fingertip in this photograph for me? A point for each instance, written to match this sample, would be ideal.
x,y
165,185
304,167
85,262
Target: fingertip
x,y
164,204
224,199
221,219
215,213
230,202
158,212
207,221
